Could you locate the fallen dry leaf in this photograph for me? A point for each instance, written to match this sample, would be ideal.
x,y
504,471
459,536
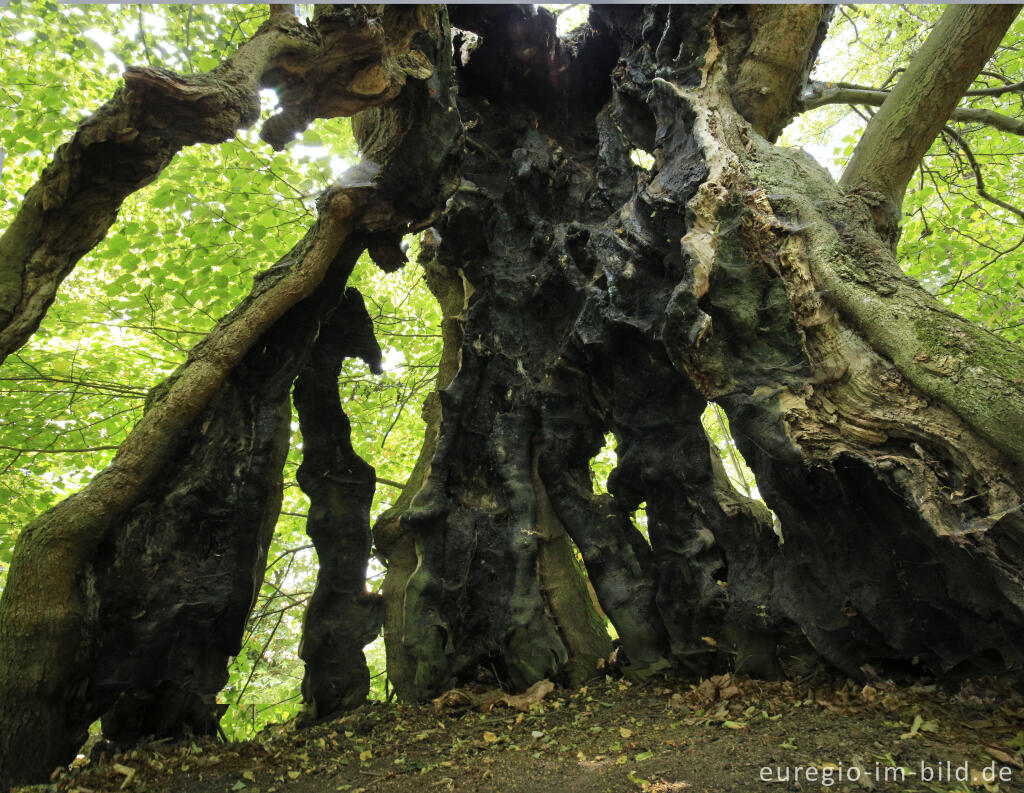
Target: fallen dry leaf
x,y
1002,756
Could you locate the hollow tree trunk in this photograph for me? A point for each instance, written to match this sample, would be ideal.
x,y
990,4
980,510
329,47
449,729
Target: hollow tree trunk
x,y
558,350
601,298
192,495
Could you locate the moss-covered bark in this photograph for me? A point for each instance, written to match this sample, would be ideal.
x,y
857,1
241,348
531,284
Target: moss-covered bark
x,y
899,502
583,297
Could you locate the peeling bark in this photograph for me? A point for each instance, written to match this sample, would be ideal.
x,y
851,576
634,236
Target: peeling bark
x,y
916,560
602,299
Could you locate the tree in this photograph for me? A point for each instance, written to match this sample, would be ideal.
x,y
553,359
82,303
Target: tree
x,y
582,296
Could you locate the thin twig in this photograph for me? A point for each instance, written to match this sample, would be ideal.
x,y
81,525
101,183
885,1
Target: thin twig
x,y
731,448
59,451
979,182
142,35
188,40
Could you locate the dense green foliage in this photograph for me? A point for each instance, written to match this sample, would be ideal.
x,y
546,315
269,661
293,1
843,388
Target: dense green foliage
x,y
184,250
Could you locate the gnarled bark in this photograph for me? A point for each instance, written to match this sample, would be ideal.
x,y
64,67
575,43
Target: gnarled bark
x,y
583,296
174,579
346,60
900,510
56,671
394,544
49,612
561,345
884,430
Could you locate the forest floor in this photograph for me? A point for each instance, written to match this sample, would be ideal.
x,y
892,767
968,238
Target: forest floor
x,y
726,735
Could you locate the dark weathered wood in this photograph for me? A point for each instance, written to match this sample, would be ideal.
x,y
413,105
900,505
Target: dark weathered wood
x,y
51,641
48,611
342,617
602,299
584,297
177,574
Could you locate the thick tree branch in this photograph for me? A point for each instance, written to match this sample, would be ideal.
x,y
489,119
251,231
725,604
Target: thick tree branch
x,y
344,62
820,94
49,558
911,116
776,63
50,640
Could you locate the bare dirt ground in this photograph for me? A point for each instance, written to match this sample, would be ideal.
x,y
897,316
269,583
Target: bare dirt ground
x,y
724,735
